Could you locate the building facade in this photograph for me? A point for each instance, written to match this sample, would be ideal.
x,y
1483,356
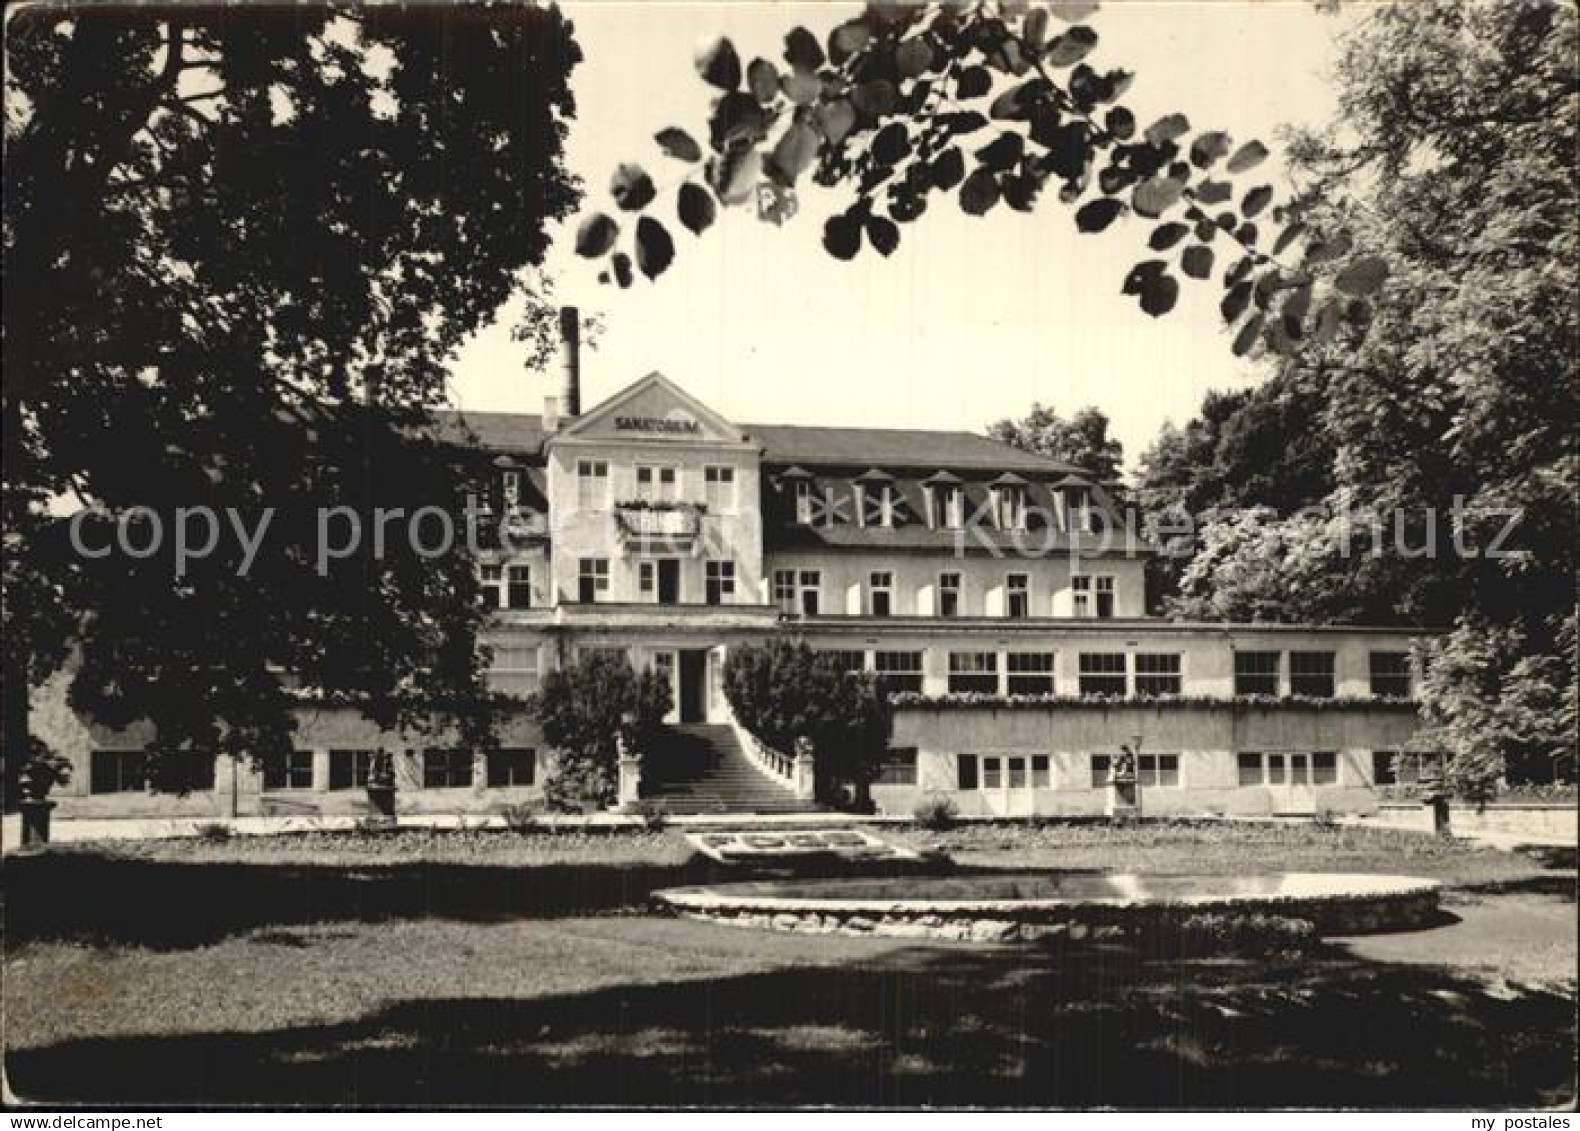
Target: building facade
x,y
996,593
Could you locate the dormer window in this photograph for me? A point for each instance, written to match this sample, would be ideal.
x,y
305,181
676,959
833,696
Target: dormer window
x,y
946,501
877,501
803,501
1074,495
510,489
1009,505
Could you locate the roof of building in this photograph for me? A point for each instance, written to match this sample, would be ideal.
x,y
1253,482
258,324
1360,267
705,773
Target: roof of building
x,y
522,433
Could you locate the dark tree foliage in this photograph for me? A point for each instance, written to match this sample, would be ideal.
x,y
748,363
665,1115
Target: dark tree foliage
x,y
583,709
1082,439
997,103
1451,428
241,244
785,690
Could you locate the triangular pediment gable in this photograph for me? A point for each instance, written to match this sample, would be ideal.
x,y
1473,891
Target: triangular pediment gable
x,y
654,410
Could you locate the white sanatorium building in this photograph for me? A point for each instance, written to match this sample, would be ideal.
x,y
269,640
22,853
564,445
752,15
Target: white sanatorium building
x,y
990,588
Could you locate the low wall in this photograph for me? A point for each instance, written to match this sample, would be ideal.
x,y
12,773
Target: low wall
x,y
1542,821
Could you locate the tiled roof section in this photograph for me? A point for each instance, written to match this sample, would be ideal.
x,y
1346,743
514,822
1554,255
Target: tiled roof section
x,y
896,447
520,433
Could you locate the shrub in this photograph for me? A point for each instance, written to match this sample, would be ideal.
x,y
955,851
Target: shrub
x,y
581,709
212,830
520,818
785,690
936,812
1211,933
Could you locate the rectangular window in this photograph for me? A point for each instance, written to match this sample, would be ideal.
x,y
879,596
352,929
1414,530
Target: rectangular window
x,y
898,768
1016,773
1102,673
1158,770
592,579
1081,595
720,582
592,484
850,661
1040,776
966,771
518,587
1298,766
657,484
948,594
878,505
510,489
117,771
1275,769
1324,767
446,769
785,590
1390,673
349,769
1101,765
880,593
811,583
1311,673
1105,596
1256,673
491,586
289,771
514,670
1158,673
973,673
899,671
719,488
647,580
1017,595
992,773
512,767
1250,763
1029,673
1384,767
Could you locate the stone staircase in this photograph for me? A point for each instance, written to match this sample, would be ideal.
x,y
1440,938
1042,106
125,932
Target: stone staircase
x,y
700,768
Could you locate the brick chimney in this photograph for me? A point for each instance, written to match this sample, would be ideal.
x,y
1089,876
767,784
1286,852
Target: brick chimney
x,y
570,361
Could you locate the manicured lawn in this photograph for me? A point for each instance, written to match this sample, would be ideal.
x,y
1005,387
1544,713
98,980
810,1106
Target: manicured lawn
x,y
535,982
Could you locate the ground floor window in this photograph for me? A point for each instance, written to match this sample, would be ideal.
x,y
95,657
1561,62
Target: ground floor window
x,y
966,775
1288,767
1102,673
289,770
511,767
1398,767
1030,673
1006,771
850,661
899,671
973,672
898,768
117,771
1158,770
1102,764
514,670
1157,673
446,769
350,769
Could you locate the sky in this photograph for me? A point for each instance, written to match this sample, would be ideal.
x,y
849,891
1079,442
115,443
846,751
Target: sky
x,y
971,319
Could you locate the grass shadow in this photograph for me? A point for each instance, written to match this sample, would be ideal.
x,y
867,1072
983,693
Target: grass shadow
x,y
917,1025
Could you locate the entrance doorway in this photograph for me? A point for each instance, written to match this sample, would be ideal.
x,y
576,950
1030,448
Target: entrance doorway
x,y
668,581
692,694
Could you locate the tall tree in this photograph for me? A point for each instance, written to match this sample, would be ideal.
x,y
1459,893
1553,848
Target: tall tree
x,y
1451,426
241,245
1083,439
